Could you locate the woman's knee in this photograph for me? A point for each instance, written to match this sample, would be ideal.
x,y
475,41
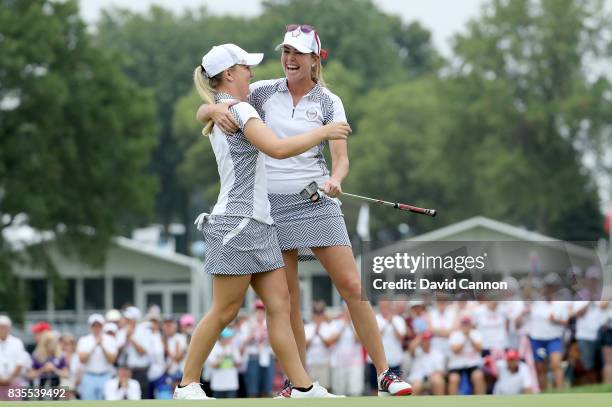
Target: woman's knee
x,y
228,313
350,288
280,303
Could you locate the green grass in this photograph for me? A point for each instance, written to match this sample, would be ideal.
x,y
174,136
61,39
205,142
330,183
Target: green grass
x,y
540,400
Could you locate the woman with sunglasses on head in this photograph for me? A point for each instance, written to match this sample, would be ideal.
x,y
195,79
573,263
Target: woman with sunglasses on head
x,y
242,246
291,105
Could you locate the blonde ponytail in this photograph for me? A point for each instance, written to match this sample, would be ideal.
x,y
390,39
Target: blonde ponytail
x,y
206,89
316,74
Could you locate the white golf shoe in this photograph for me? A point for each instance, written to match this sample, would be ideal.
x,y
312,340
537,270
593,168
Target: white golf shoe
x,y
316,392
193,391
390,384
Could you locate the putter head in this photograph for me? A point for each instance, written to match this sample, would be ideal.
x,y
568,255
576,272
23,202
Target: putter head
x,y
311,192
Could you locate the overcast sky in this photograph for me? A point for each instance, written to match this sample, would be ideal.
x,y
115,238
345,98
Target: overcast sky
x,y
443,17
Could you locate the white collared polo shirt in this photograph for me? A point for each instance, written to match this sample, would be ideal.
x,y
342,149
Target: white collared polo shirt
x,y
241,168
319,107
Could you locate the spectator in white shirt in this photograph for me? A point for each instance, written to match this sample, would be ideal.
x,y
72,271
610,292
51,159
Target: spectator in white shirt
x,y
347,361
133,342
548,320
68,344
122,387
512,375
465,358
175,345
427,365
155,351
442,317
590,317
260,363
97,353
318,343
392,329
493,325
11,359
224,360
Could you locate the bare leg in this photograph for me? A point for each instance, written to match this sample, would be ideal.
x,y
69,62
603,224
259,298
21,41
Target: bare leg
x,y
555,365
437,384
293,282
478,382
340,265
453,383
541,368
228,294
417,386
272,289
607,369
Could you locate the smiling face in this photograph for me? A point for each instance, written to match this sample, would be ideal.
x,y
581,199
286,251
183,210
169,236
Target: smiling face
x,y
237,79
297,66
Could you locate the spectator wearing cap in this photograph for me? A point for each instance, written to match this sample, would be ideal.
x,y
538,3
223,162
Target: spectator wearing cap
x,y
591,285
512,375
427,368
97,352
11,359
37,330
347,360
155,350
122,387
186,325
175,346
260,365
547,322
114,316
224,360
133,342
465,358
48,364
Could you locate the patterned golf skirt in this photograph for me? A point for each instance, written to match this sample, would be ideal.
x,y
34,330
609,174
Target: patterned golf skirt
x,y
302,224
240,246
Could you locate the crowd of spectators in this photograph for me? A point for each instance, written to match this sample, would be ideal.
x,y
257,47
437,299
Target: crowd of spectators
x,y
441,347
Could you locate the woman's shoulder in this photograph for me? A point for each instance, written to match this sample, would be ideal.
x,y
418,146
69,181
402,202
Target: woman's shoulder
x,y
265,84
335,98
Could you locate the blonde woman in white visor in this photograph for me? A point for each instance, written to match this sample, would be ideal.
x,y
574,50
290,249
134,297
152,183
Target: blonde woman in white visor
x,y
241,240
291,105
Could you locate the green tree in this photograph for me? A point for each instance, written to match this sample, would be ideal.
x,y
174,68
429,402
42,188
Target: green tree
x,y
393,156
75,136
527,109
159,52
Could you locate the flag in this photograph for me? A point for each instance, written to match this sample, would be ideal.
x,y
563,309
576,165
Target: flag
x,y
608,222
363,222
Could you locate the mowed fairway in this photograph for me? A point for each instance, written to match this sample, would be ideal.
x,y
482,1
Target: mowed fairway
x,y
541,400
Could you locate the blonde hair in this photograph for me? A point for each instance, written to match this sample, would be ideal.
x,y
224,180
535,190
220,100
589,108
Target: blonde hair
x,y
316,73
206,89
42,351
